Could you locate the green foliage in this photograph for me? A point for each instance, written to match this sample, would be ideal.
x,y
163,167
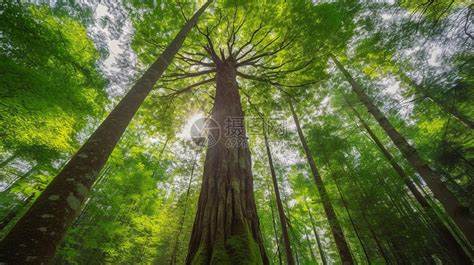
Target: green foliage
x,y
49,86
142,207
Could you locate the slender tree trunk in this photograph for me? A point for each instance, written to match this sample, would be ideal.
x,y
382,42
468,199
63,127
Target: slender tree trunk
x,y
8,160
20,178
313,257
418,196
364,214
453,207
341,243
35,237
276,233
226,229
346,207
444,106
406,218
14,212
183,216
318,239
292,232
448,239
281,213
374,236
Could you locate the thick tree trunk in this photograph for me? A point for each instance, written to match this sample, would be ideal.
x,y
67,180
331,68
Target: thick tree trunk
x,y
336,228
444,106
453,207
318,240
226,229
281,213
448,239
35,237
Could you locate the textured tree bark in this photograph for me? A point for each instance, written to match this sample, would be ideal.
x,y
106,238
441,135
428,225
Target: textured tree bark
x,y
318,240
444,106
448,239
281,213
341,243
35,237
453,207
226,229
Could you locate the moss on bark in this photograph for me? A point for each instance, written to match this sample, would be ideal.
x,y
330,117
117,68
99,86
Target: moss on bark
x,y
239,249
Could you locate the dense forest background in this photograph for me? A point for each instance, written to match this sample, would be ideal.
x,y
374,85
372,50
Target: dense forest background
x,y
358,117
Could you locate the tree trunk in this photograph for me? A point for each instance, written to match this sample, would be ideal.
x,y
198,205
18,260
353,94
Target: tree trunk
x,y
318,240
174,253
8,160
226,229
35,237
313,257
336,229
14,212
292,232
452,110
281,213
20,178
276,233
453,207
364,214
346,207
448,239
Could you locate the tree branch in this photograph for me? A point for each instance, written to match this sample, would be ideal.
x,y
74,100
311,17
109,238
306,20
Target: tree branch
x,y
188,88
254,33
177,76
192,61
269,81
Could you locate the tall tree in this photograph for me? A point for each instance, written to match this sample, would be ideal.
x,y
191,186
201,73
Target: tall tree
x,y
281,213
226,227
356,229
442,104
448,239
336,228
453,207
36,235
183,216
318,240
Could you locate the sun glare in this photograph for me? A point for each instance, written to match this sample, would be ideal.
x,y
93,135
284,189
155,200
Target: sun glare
x,y
186,131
